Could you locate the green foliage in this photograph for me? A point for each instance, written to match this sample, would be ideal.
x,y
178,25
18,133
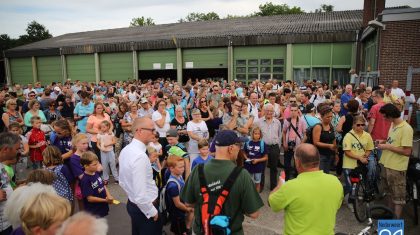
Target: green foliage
x,y
34,32
141,21
195,16
325,8
270,9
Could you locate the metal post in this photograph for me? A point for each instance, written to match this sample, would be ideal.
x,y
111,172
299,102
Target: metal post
x,y
135,66
34,70
8,73
97,68
230,61
63,68
179,65
289,62
331,63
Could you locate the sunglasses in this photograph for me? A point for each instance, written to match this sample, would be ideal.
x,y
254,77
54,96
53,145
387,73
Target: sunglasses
x,y
202,101
293,101
359,125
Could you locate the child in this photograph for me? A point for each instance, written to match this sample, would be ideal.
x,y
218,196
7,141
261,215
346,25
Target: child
x,y
106,141
154,160
176,208
255,155
204,157
8,166
22,161
37,142
173,140
96,196
63,177
155,144
80,143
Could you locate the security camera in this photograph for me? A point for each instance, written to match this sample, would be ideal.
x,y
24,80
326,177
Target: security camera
x,y
376,24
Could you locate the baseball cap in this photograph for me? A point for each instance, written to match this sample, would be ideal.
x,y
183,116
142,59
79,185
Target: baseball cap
x,y
172,133
309,108
143,100
228,137
57,88
177,151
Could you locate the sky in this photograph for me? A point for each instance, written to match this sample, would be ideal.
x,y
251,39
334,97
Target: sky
x,y
69,16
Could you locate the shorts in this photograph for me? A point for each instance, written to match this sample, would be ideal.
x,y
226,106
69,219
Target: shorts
x,y
394,184
256,177
178,226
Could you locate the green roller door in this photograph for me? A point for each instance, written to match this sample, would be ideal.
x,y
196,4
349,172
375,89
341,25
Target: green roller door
x,y
164,58
21,70
205,58
81,67
321,54
342,54
301,55
116,66
49,69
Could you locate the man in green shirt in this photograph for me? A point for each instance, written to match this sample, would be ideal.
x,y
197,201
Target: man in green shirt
x,y
310,201
242,199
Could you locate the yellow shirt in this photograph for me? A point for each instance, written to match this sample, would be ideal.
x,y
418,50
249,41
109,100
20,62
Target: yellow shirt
x,y
398,136
391,98
351,143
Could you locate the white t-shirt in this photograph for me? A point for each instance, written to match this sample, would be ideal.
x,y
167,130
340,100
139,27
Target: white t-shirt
x,y
199,129
162,131
398,92
106,139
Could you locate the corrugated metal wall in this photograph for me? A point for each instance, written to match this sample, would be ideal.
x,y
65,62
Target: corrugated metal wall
x,y
21,70
81,67
49,69
116,66
146,59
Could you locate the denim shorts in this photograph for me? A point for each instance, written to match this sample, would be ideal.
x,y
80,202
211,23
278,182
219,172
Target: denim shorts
x,y
256,177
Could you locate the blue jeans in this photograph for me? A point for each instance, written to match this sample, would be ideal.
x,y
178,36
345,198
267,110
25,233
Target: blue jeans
x,y
140,224
347,185
325,163
372,165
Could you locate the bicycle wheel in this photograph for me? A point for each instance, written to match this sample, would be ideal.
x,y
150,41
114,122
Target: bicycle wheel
x,y
379,185
359,203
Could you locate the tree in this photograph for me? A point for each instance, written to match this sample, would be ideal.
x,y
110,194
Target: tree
x,y
141,21
195,16
325,8
269,9
34,32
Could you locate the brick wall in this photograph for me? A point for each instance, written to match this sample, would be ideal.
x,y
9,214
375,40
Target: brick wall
x,y
400,48
369,13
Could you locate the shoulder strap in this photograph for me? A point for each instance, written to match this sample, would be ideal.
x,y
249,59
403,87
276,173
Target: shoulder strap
x,y
294,128
357,140
175,181
261,146
216,204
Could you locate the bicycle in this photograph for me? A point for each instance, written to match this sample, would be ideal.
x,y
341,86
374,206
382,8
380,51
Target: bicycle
x,y
413,185
361,193
375,213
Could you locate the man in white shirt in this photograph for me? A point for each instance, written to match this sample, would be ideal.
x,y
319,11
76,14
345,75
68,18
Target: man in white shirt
x,y
397,91
28,90
136,178
253,105
318,97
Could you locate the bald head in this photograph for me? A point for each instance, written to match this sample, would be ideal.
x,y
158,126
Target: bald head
x,y
143,122
308,155
83,223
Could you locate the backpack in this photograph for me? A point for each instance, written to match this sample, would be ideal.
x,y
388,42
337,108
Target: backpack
x,y
309,131
60,183
261,146
163,201
212,220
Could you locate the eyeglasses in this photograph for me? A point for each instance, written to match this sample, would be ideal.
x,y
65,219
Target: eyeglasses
x,y
238,106
359,125
165,98
149,129
292,101
31,95
203,101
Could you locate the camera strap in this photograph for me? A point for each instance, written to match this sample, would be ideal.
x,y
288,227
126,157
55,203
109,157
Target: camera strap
x,y
294,128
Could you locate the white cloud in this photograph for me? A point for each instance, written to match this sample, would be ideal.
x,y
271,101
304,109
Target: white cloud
x,y
63,16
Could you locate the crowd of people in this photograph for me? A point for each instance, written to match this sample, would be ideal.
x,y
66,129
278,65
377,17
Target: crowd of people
x,y
195,154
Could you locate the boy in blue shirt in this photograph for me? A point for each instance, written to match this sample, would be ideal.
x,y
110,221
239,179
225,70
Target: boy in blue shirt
x,y
203,148
180,215
96,196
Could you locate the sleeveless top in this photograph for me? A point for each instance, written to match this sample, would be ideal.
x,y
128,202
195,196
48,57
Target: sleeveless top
x,y
326,137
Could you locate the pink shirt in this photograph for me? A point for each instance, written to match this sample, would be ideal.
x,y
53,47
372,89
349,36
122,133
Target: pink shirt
x,y
96,121
381,127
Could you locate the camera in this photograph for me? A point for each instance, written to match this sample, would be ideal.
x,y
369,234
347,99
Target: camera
x,y
291,144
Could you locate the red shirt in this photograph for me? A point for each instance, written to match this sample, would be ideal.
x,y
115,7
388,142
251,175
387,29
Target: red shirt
x,y
381,127
36,136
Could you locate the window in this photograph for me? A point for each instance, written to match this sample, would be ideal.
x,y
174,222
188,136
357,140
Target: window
x,y
252,69
253,62
278,77
321,74
301,74
241,63
265,69
252,77
265,61
241,69
341,75
277,69
265,77
241,77
278,62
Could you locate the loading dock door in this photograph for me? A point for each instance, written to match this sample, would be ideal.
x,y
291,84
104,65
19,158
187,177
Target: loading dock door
x,y
215,74
155,74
